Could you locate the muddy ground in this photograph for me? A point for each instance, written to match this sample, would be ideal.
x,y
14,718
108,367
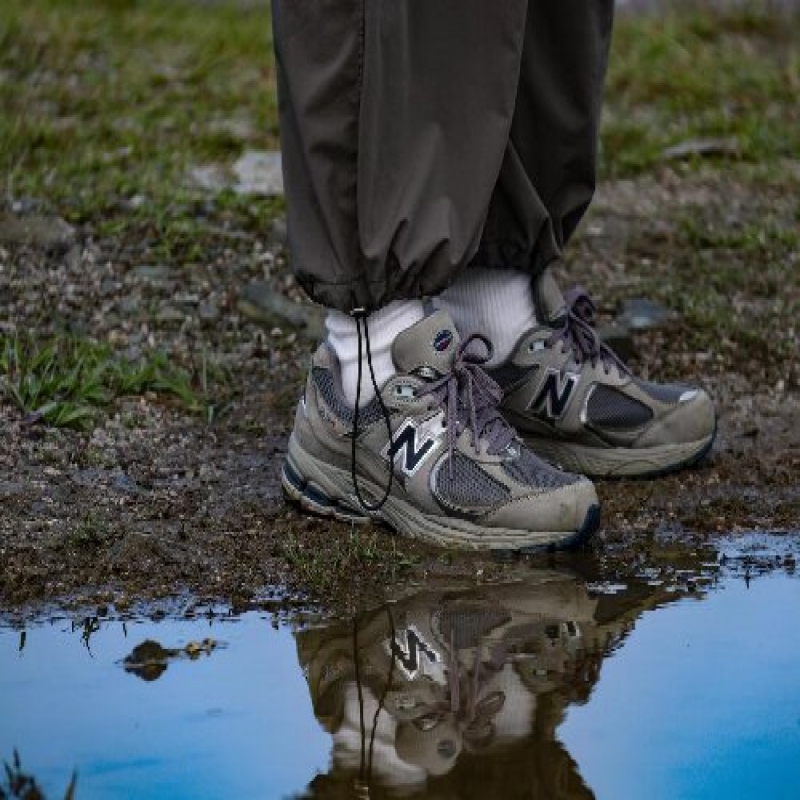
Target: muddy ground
x,y
156,494
153,500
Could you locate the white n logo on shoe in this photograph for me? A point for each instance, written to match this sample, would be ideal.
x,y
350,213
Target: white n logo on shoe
x,y
556,392
410,657
412,446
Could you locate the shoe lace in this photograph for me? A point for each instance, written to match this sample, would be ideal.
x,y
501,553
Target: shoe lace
x,y
578,333
471,400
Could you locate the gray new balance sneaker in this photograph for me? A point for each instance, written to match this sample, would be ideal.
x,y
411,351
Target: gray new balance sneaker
x,y
577,405
461,475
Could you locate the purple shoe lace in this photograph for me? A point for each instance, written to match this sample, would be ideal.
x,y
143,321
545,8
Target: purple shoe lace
x,y
471,399
577,331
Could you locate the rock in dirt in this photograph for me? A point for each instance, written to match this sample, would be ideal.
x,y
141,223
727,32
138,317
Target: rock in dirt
x,y
728,146
261,304
278,231
208,312
48,232
641,314
11,489
169,315
153,273
259,172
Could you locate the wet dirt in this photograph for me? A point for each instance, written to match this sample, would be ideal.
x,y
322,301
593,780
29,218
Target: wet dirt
x,y
152,501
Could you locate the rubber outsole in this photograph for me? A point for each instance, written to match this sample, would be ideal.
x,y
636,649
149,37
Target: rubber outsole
x,y
311,499
300,492
590,525
689,462
580,465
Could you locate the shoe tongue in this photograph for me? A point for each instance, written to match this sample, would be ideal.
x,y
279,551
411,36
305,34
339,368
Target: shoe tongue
x,y
550,305
428,347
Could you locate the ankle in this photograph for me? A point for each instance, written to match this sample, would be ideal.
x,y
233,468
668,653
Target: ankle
x,y
384,325
497,303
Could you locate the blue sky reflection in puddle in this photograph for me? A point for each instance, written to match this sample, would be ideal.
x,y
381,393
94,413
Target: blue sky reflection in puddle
x,y
237,723
533,689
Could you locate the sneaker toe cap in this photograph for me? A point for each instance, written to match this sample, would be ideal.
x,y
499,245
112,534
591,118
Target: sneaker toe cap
x,y
691,420
564,509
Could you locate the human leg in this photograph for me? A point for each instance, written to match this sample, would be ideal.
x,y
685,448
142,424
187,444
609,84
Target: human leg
x,y
570,397
395,119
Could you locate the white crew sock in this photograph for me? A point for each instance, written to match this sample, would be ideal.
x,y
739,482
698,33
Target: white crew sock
x,y
384,325
495,302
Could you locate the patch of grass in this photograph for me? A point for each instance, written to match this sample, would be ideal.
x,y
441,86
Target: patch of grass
x,y
106,104
90,533
351,556
67,381
702,74
749,263
735,286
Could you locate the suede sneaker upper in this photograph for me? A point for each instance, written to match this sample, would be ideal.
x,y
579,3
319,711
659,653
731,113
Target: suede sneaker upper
x,y
461,474
578,405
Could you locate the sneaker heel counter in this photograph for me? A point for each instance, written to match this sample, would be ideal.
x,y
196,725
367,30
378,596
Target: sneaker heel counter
x,y
316,427
303,423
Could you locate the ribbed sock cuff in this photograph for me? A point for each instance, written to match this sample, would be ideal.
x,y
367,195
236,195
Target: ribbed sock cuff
x,y
384,325
497,303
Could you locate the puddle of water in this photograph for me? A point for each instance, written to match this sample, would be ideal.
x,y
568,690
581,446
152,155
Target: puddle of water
x,y
235,723
546,687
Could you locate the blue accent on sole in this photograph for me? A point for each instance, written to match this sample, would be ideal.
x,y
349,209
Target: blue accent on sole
x,y
293,478
316,496
311,500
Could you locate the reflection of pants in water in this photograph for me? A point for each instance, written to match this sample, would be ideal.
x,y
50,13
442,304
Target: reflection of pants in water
x,y
417,135
455,674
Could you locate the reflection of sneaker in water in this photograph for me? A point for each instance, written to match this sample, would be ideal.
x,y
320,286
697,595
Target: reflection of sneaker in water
x,y
462,477
467,681
577,405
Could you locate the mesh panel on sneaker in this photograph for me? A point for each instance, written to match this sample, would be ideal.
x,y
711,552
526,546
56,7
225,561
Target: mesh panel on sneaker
x,y
468,485
468,626
510,376
663,392
323,378
529,470
610,408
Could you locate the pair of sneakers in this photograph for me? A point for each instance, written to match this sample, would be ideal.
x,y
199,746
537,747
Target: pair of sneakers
x,y
491,460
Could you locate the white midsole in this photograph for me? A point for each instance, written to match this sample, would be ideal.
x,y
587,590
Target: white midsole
x,y
617,462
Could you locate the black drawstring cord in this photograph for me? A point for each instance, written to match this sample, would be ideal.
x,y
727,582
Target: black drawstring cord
x,y
382,701
362,727
365,762
360,316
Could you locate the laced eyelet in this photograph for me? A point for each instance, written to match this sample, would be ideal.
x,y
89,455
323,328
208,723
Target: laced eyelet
x,y
405,391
